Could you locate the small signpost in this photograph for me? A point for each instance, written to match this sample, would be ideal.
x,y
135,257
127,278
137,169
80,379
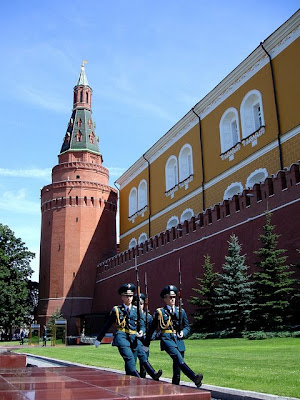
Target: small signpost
x,y
34,334
59,332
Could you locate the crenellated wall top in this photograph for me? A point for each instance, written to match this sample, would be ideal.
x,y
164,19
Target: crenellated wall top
x,y
275,192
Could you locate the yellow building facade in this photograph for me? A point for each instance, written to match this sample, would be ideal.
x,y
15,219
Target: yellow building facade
x,y
246,129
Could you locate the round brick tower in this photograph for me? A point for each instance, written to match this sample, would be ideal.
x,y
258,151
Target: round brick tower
x,y
78,218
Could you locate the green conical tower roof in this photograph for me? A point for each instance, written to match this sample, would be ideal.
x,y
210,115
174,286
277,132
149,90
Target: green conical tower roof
x,y
80,135
82,80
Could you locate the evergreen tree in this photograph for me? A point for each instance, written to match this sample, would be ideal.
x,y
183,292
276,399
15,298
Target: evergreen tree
x,y
15,273
295,296
273,283
204,318
235,293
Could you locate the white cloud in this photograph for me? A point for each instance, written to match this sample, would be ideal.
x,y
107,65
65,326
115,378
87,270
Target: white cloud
x,y
37,97
27,173
116,171
18,202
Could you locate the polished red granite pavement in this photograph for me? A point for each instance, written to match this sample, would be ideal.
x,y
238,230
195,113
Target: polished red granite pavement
x,y
80,383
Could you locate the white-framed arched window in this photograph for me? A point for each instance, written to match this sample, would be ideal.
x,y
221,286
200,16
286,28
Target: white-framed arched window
x,y
229,129
173,221
185,162
252,114
171,172
142,194
234,188
133,201
186,215
132,243
142,238
257,176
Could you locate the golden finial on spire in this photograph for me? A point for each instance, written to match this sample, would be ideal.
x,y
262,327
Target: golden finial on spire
x,y
84,62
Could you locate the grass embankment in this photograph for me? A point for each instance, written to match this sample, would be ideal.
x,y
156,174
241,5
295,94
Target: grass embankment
x,y
269,366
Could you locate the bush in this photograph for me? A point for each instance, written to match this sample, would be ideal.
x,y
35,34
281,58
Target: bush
x,y
260,335
196,336
283,334
215,335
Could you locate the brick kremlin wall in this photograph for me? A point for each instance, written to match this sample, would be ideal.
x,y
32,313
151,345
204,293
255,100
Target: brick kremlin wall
x,y
208,233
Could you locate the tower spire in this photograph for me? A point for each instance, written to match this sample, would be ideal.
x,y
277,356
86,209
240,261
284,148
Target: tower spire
x,y
80,135
82,80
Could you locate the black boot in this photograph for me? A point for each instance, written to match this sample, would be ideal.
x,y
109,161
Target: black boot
x,y
134,373
176,379
197,379
150,370
142,372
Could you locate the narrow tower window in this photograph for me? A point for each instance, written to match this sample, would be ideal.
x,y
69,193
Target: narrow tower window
x,y
78,136
92,138
79,122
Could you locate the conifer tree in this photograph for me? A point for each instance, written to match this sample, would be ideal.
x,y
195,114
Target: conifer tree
x,y
295,297
272,282
204,318
235,293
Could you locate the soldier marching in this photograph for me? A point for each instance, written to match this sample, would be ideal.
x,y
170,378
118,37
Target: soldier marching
x,y
136,328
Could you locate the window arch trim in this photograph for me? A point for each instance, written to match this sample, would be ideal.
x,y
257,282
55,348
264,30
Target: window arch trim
x,y
133,197
230,136
171,176
142,200
186,167
187,210
132,243
258,172
142,238
173,218
233,189
251,121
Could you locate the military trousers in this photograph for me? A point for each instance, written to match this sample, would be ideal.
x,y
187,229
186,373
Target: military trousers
x,y
128,349
171,347
143,357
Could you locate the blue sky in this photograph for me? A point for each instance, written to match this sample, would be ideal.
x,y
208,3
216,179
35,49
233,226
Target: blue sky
x,y
149,63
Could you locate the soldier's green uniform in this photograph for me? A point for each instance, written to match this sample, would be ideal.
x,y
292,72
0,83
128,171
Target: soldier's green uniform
x,y
126,337
173,331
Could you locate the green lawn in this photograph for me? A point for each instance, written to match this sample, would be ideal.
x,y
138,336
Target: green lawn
x,y
269,366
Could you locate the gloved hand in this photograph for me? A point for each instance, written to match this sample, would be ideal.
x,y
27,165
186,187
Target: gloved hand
x,y
146,349
97,343
180,335
139,334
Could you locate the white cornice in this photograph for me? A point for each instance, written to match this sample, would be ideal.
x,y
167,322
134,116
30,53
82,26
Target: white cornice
x,y
274,44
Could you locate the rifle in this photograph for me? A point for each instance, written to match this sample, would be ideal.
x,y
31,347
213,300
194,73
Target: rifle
x,y
138,304
146,301
180,297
